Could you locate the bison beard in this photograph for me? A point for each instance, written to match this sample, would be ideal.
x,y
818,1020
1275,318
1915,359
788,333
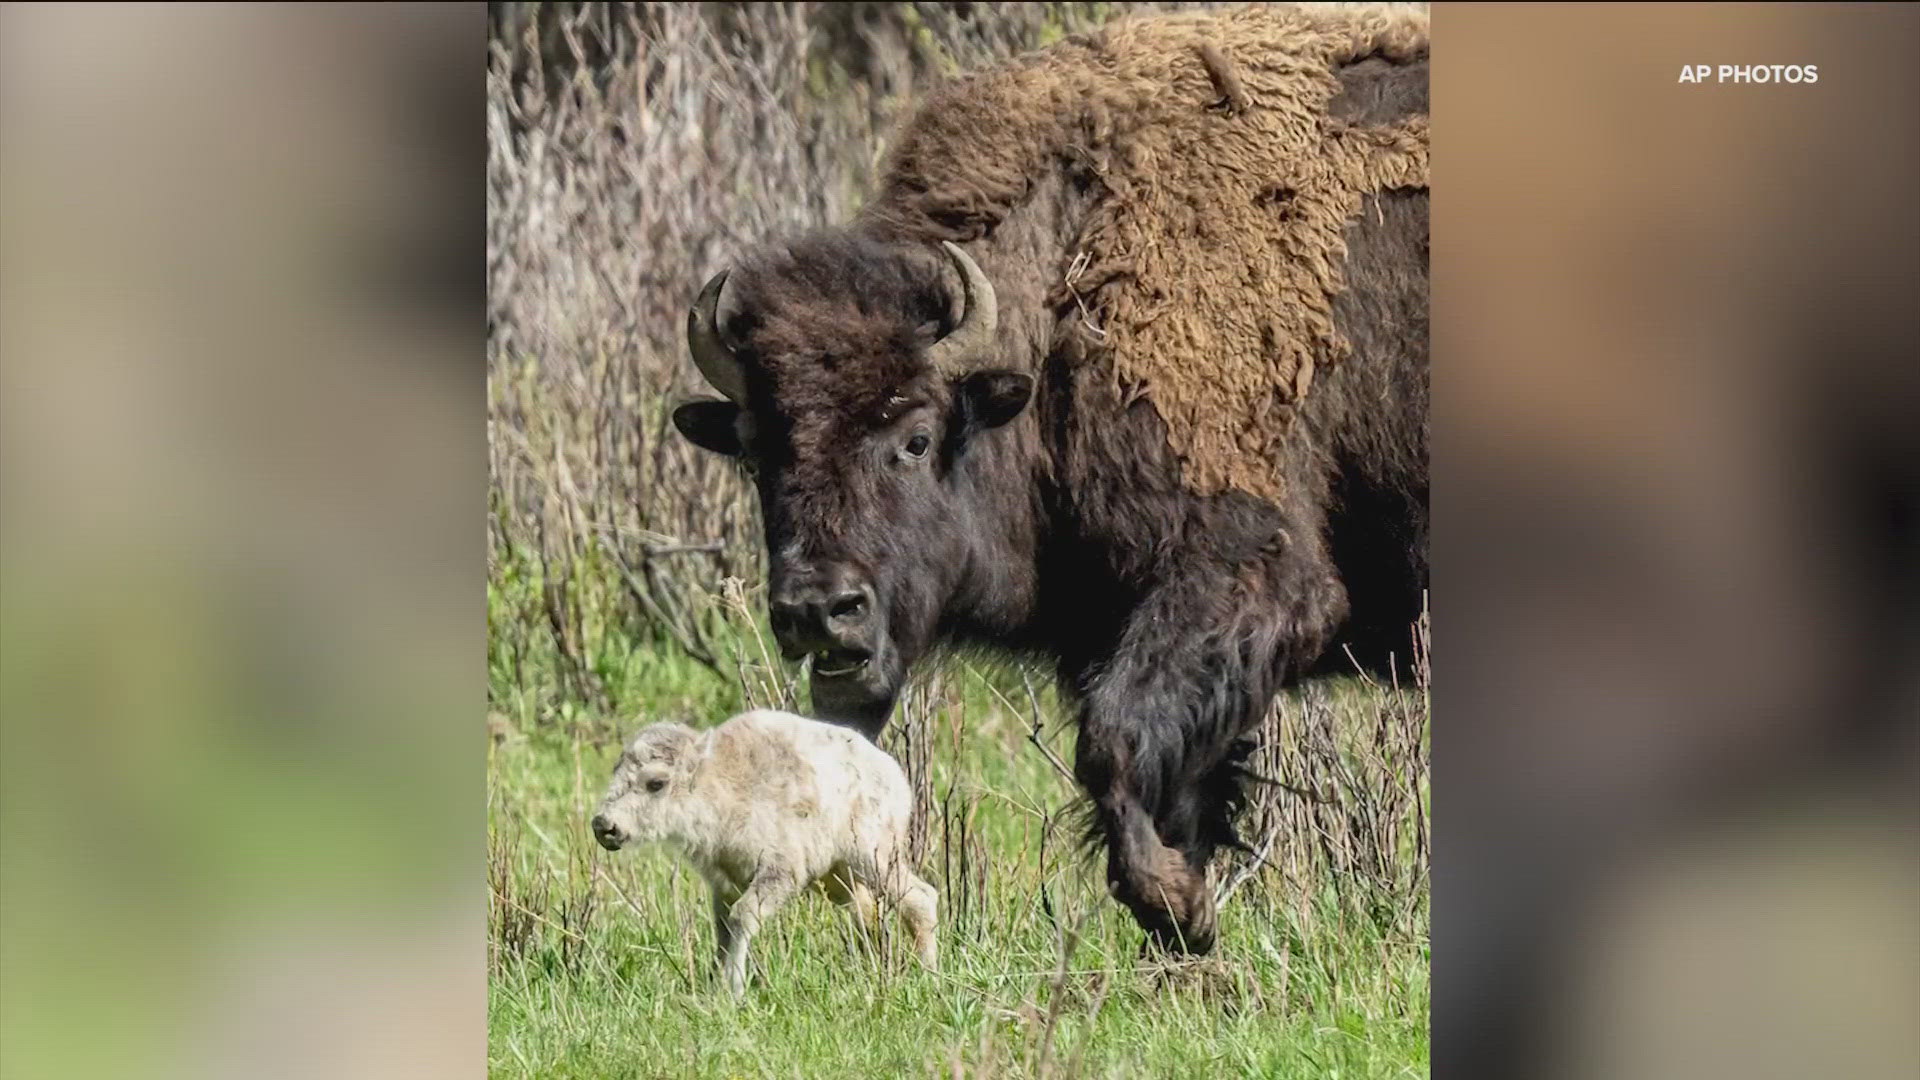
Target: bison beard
x,y
945,454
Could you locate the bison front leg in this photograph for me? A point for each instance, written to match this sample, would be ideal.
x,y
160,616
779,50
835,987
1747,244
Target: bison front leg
x,y
1163,887
1169,714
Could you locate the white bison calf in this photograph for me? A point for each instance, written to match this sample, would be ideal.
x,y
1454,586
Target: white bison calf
x,y
765,805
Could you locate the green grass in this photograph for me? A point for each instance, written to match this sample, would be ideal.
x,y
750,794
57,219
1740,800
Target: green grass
x,y
600,964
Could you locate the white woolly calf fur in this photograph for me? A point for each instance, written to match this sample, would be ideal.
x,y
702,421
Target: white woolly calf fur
x,y
765,805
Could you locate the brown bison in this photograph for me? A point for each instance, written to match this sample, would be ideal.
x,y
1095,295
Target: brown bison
x,y
1123,369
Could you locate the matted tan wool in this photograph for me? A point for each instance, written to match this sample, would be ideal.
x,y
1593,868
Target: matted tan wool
x,y
1208,266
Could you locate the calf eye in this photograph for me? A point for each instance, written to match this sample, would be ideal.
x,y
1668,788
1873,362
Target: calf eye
x,y
917,446
656,784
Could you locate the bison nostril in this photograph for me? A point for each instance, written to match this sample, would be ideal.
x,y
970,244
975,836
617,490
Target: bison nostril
x,y
784,620
848,606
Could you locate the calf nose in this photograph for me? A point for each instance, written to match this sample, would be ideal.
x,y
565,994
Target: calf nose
x,y
832,610
606,831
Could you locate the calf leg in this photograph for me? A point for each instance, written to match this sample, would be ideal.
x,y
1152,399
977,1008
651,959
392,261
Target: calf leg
x,y
848,892
918,904
723,899
770,889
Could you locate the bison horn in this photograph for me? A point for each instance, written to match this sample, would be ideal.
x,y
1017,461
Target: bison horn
x,y
710,354
973,338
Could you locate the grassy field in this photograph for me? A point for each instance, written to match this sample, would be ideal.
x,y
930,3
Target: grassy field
x,y
611,540
599,963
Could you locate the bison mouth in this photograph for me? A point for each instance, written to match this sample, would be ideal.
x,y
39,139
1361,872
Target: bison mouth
x,y
840,663
855,686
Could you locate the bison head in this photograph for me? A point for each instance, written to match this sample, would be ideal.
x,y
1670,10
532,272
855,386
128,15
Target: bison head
x,y
863,387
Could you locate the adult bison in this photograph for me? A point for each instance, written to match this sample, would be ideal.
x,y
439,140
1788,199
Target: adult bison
x,y
1123,368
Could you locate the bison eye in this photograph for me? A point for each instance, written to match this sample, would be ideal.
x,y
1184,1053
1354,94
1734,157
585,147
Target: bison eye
x,y
656,784
917,446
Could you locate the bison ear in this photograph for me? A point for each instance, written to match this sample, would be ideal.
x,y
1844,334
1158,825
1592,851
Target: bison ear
x,y
992,398
709,425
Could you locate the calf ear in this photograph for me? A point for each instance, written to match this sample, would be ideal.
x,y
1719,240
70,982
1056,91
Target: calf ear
x,y
991,398
709,425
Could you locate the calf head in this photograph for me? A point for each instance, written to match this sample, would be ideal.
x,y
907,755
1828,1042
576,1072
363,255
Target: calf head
x,y
858,377
646,799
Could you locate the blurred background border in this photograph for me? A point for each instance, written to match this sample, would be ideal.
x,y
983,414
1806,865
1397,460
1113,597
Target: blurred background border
x,y
242,447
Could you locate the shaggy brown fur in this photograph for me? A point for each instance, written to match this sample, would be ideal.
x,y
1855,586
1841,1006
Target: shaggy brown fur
x,y
1198,208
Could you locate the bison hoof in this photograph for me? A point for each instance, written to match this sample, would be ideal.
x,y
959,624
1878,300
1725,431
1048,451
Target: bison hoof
x,y
1184,942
